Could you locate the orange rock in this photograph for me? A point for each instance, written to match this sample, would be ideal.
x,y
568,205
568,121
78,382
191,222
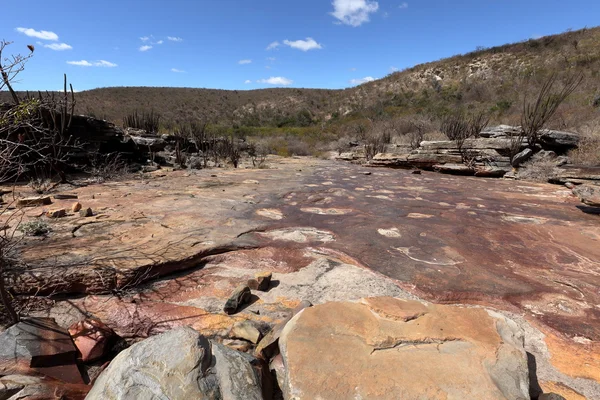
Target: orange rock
x,y
560,389
348,350
76,207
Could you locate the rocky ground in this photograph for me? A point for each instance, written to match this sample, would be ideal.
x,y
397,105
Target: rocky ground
x,y
167,250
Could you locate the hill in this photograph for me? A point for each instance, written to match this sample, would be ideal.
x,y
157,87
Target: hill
x,y
494,80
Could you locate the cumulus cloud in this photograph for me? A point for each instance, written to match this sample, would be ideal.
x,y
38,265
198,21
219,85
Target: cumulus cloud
x,y
145,47
354,12
403,5
160,42
145,38
179,71
273,46
58,46
44,35
277,80
362,80
304,45
247,81
242,62
99,63
175,39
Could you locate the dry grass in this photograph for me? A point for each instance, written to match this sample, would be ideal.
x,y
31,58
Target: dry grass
x,y
588,152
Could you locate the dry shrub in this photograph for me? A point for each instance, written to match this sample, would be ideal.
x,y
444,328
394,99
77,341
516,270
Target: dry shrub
x,y
588,151
539,170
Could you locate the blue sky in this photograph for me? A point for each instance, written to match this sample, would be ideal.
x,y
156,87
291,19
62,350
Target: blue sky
x,y
249,44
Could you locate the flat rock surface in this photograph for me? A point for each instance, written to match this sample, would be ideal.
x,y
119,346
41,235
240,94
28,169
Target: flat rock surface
x,y
327,232
386,348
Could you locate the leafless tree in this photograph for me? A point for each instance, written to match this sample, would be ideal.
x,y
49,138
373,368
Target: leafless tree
x,y
537,114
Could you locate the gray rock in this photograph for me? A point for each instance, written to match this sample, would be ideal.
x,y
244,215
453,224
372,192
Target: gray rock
x,y
179,364
153,144
500,131
588,194
247,331
240,296
521,157
558,140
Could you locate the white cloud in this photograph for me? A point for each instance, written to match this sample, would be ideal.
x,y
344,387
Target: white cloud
x,y
242,62
145,48
393,69
272,59
145,38
403,5
304,45
160,42
174,39
277,80
58,46
273,45
179,71
352,69
267,66
354,12
362,80
44,35
247,81
99,63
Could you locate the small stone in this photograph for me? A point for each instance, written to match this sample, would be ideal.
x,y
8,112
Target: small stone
x,y
86,212
416,172
247,331
367,173
570,185
261,281
76,207
61,212
65,196
240,296
34,201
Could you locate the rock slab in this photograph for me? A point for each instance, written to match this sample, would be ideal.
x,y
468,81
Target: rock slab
x,y
39,346
386,348
179,364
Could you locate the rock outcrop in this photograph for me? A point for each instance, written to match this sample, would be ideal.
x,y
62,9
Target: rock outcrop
x,y
387,348
179,364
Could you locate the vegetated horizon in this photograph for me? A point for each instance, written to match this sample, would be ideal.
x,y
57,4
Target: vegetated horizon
x,y
496,81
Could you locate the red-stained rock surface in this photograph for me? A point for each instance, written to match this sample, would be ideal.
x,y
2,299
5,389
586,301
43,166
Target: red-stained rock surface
x,y
92,338
327,232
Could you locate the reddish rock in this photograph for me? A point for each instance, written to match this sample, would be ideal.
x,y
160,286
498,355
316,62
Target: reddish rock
x,y
92,338
39,346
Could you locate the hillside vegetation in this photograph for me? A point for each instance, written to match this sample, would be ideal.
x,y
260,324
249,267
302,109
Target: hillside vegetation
x,y
494,81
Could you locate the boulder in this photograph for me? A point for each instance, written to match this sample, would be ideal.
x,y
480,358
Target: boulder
x,y
387,348
59,213
521,157
34,201
39,346
179,364
152,144
558,140
86,212
247,331
500,131
92,338
267,347
588,194
76,207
